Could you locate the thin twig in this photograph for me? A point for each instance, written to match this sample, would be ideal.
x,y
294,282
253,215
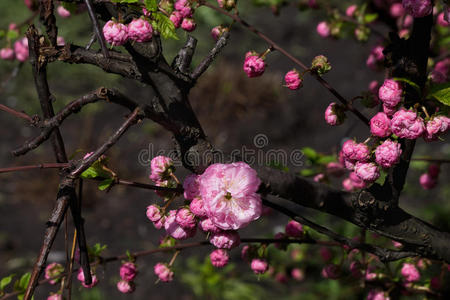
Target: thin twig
x,y
16,113
97,29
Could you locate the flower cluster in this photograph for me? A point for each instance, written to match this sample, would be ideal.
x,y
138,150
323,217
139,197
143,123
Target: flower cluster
x,y
182,16
127,272
138,30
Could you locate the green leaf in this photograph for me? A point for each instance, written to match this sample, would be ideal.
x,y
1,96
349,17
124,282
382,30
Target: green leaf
x,y
411,83
165,27
326,159
308,172
2,33
5,281
310,153
12,35
369,18
94,171
151,5
105,184
441,92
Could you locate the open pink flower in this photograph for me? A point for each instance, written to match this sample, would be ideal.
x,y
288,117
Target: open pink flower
x,y
63,12
390,93
197,207
388,153
254,65
21,49
184,8
380,125
115,33
185,218
355,151
427,182
190,186
367,171
163,272
175,230
410,272
418,8
188,24
323,29
219,258
125,287
407,124
80,277
225,239
436,126
140,30
229,195
208,226
128,271
161,167
293,80
53,271
7,54
259,266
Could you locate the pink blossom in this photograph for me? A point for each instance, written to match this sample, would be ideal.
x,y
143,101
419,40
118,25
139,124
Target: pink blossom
x,y
376,295
297,274
368,172
370,274
259,266
31,4
176,18
350,11
418,8
125,287
55,297
396,10
184,7
53,271
376,58
441,21
407,124
410,272
197,207
163,272
335,169
217,32
389,111
208,226
154,213
229,195
427,182
128,271
347,185
225,239
254,65
380,125
161,167
320,178
441,71
7,53
80,277
407,21
330,271
60,41
357,182
293,80
115,33
185,218
390,93
436,126
434,170
334,114
374,86
354,151
388,153
140,30
323,29
62,12
245,255
175,230
21,49
219,258
188,24
190,186
227,4
325,253
397,244
294,229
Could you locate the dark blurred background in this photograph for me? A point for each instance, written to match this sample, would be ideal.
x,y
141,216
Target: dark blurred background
x,y
231,108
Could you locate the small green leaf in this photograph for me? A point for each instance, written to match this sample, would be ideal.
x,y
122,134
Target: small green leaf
x,y
94,171
2,33
165,27
5,281
326,159
308,172
12,35
441,92
411,83
369,18
310,153
105,184
151,5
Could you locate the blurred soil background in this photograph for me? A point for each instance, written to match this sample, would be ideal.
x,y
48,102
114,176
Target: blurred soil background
x,y
231,108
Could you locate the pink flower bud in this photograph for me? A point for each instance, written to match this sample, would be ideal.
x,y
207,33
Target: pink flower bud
x,y
293,80
368,172
297,274
441,21
435,127
191,187
380,125
377,295
334,114
7,54
188,24
154,213
335,169
184,8
354,151
197,207
259,266
373,87
407,124
227,4
163,272
410,272
176,18
376,58
219,258
320,178
128,271
125,287
62,12
186,219
21,49
55,297
389,111
53,271
208,226
161,167
427,182
397,244
396,10
80,278
217,32
347,185
388,153
441,71
294,229
225,239
140,30
350,11
323,29
330,271
254,66
418,8
390,93
357,182
175,230
115,33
